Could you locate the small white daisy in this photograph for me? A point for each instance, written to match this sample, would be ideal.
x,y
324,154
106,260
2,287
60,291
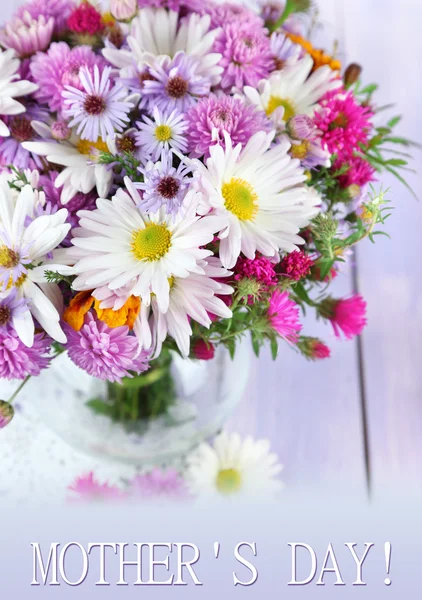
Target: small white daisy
x,y
294,90
11,87
117,246
162,133
99,110
80,174
233,467
259,195
27,241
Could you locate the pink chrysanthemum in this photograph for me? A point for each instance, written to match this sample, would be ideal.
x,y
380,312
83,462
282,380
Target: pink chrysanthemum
x,y
230,12
360,172
60,10
344,123
260,268
203,350
213,115
17,361
106,353
296,265
27,35
283,316
184,7
85,18
159,484
88,489
246,55
347,316
59,67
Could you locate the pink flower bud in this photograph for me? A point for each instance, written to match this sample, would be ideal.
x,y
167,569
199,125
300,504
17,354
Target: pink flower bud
x,y
60,131
203,350
6,413
123,10
300,127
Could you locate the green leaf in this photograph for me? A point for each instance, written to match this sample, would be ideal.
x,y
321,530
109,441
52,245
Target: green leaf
x,y
100,407
274,348
394,121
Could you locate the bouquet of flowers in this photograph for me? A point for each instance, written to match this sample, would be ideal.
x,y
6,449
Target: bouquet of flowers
x,y
177,174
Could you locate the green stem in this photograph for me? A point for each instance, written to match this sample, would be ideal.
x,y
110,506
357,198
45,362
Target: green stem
x,y
16,392
288,10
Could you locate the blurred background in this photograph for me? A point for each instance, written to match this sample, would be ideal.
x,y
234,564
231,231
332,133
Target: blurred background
x,y
354,420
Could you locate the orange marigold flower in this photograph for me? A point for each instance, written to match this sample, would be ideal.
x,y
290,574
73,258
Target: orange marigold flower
x,y
124,316
74,315
319,57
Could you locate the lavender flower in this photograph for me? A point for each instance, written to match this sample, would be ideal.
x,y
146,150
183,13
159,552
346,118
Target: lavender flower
x,y
176,83
213,115
17,361
11,307
103,352
230,12
11,150
284,50
164,132
97,110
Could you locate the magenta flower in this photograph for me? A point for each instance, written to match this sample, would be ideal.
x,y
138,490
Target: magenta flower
x,y
17,361
6,413
59,67
246,55
296,265
27,35
345,124
85,18
359,173
319,350
260,268
106,353
159,484
203,350
348,316
216,114
88,489
60,10
283,316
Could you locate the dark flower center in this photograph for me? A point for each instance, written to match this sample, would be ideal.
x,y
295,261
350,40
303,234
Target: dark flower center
x,y
116,37
223,115
21,129
126,144
94,105
4,315
145,76
279,63
168,187
177,87
8,258
340,121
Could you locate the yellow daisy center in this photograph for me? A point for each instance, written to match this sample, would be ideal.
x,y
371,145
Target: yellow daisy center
x,y
275,102
8,258
86,147
300,150
229,481
240,199
171,281
163,133
151,243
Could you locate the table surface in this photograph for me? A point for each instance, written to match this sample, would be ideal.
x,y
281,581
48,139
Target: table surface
x,y
356,418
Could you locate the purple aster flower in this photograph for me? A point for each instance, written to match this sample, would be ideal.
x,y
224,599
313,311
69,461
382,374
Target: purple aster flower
x,y
60,10
11,306
307,143
246,55
17,361
79,202
59,67
99,110
162,133
284,50
230,12
106,353
159,484
27,35
176,83
21,130
164,185
213,115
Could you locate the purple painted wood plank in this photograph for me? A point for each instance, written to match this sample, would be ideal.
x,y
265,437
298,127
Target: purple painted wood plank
x,y
385,38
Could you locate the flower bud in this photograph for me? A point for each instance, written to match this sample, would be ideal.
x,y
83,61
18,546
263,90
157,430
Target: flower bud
x,y
6,413
354,191
352,74
300,127
203,350
60,131
123,10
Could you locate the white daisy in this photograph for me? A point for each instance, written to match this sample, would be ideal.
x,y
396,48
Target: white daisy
x,y
118,246
162,133
258,194
98,110
293,91
27,240
234,467
80,174
156,33
11,87
193,297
